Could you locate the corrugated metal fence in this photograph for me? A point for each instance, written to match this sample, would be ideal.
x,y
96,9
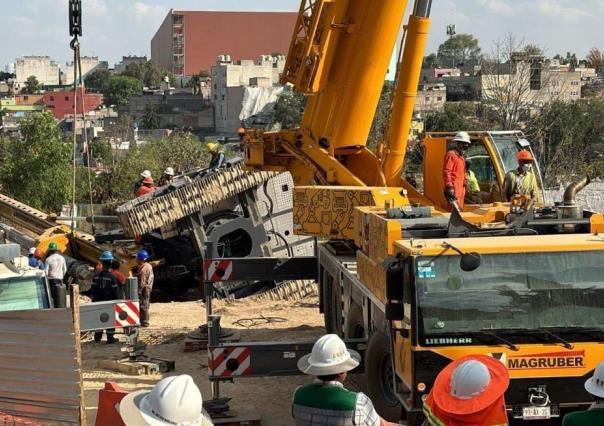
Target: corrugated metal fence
x,y
40,376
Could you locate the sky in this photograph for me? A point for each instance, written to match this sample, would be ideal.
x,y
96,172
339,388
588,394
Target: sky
x,y
114,28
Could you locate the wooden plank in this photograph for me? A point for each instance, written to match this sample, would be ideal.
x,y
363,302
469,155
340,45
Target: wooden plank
x,y
74,294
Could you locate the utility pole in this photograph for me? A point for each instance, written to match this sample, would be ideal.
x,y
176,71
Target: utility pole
x,y
451,32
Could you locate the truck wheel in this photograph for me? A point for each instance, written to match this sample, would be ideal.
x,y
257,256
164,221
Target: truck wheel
x,y
380,377
355,323
333,305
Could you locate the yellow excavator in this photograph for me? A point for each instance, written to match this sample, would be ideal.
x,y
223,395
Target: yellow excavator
x,y
422,285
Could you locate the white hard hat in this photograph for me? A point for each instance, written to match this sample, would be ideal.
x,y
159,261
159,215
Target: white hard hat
x,y
32,251
469,379
169,171
595,384
329,356
174,400
146,173
463,137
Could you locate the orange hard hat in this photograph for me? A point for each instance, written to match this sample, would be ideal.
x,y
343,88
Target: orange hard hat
x,y
38,253
443,386
524,156
148,180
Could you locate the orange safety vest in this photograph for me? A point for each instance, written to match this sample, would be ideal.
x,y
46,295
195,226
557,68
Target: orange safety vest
x,y
485,409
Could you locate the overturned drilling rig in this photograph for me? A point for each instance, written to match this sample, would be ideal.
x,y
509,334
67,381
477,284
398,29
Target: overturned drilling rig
x,y
204,213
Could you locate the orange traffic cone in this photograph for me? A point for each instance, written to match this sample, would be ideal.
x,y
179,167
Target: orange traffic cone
x,y
109,399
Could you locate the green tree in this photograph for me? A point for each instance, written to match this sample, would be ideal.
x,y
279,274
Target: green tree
x,y
36,168
457,50
568,139
182,152
195,81
454,117
100,149
98,80
533,50
381,117
595,59
571,59
32,85
289,109
6,75
151,119
120,88
431,61
149,73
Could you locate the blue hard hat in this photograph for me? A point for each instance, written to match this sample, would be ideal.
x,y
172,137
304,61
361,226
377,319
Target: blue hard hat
x,y
142,255
106,255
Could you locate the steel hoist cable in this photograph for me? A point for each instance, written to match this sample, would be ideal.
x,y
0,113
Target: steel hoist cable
x,y
75,30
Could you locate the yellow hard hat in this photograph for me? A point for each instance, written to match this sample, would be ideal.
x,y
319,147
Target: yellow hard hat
x,y
212,146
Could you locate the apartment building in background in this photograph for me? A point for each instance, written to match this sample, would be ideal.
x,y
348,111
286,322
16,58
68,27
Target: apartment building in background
x,y
42,67
188,42
243,86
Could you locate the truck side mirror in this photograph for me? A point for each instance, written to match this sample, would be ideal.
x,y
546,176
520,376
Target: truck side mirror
x,y
394,280
470,261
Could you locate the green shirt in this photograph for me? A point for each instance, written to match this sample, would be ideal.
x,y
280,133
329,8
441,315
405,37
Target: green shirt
x,y
591,417
325,397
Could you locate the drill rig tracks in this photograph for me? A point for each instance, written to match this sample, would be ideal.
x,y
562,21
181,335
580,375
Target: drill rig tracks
x,y
145,214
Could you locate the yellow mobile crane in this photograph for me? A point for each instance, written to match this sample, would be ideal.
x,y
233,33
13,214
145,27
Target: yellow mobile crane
x,y
420,286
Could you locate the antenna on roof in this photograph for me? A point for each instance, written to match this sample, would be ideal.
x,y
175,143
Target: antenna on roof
x,y
451,30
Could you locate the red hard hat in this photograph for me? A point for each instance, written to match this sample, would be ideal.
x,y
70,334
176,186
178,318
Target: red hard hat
x,y
148,180
524,156
38,253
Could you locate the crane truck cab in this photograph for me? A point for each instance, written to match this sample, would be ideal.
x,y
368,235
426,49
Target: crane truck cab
x,y
21,287
426,287
535,303
491,156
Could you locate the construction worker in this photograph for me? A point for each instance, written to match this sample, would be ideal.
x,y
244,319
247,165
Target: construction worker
x,y
34,261
326,401
115,270
454,170
146,187
55,269
105,287
167,177
521,181
218,157
473,192
594,416
144,174
469,391
145,285
174,400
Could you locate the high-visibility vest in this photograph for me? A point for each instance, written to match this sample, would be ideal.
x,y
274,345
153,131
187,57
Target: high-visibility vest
x,y
319,404
473,185
526,186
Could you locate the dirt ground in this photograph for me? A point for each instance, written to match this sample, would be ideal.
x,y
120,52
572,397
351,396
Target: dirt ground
x,y
170,322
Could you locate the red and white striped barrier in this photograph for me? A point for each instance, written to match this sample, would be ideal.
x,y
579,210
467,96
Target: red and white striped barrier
x,y
127,314
217,270
228,362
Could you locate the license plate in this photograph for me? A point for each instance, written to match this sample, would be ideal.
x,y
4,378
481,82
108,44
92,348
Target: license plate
x,y
536,413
